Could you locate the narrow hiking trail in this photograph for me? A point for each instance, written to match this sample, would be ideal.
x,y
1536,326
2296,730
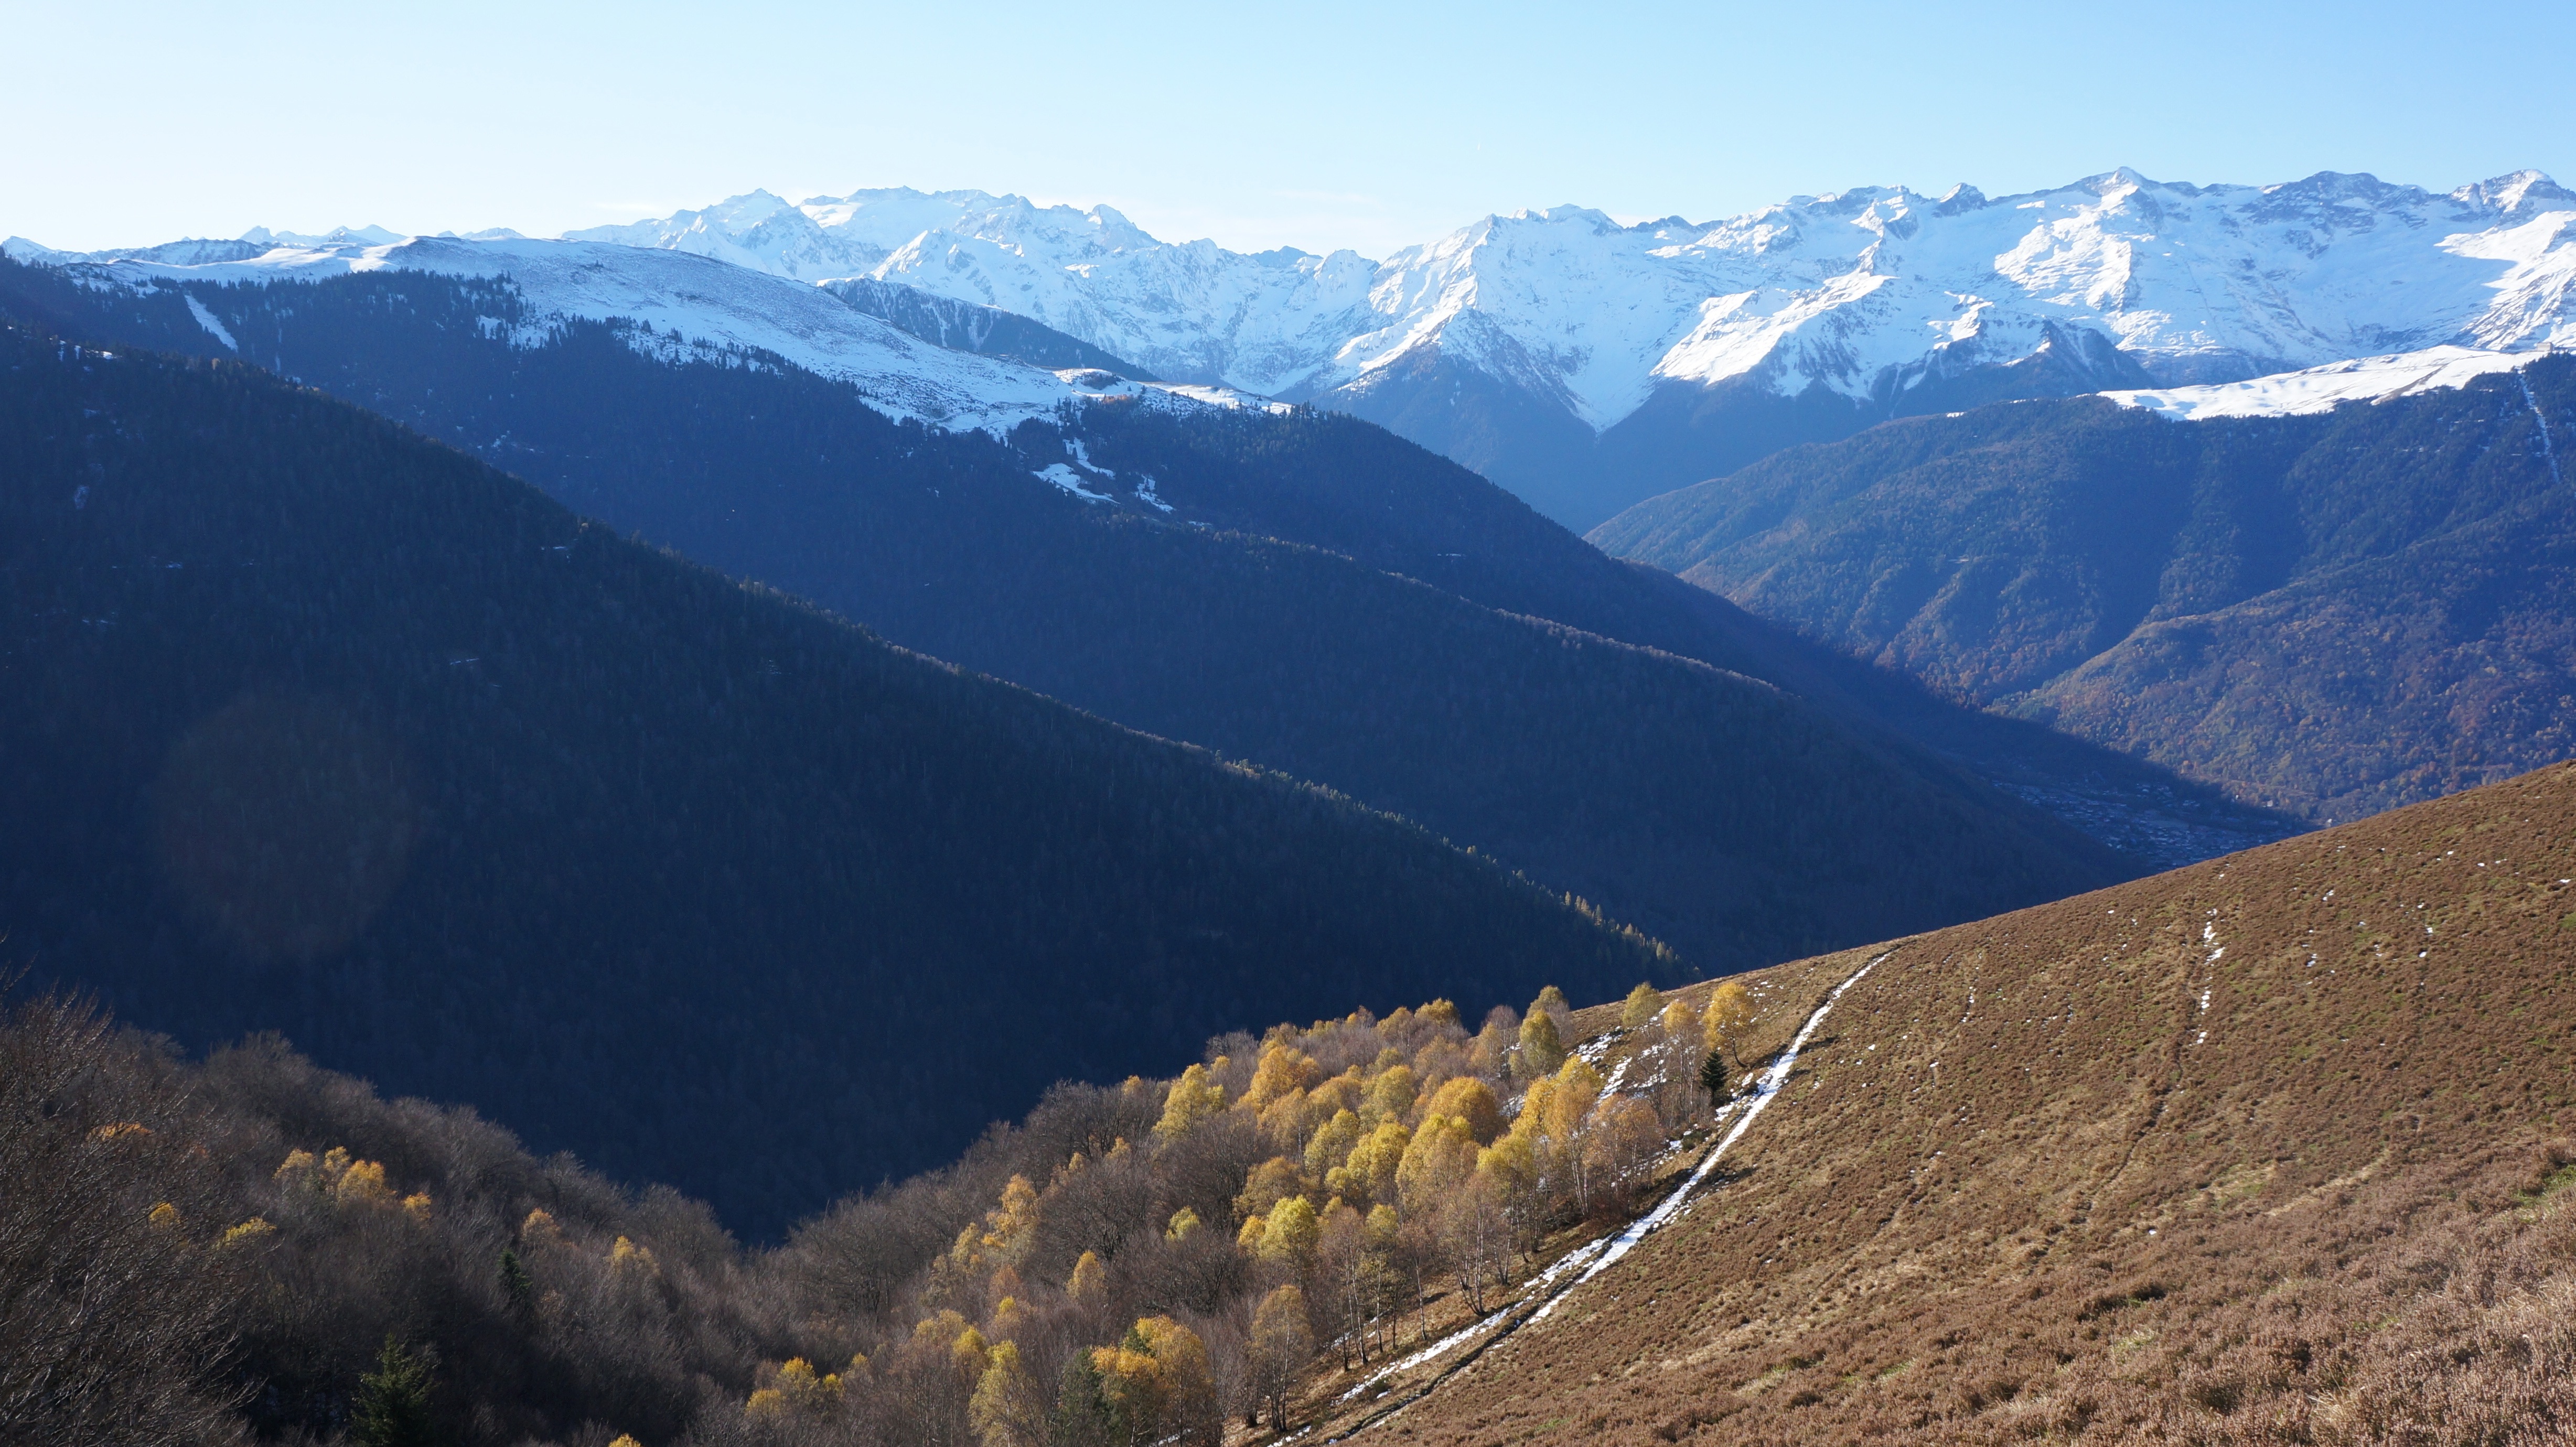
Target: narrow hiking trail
x,y
1581,1265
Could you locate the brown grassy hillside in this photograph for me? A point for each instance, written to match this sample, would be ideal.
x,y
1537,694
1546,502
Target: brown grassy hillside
x,y
2267,1149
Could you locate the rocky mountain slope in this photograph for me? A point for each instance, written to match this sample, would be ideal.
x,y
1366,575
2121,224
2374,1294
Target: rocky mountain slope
x,y
2271,1149
2332,611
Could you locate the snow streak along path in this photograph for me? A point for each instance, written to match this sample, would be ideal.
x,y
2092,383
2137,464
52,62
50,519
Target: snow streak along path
x,y
1772,1079
1601,1257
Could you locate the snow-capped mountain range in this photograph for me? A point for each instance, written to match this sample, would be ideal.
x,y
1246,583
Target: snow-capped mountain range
x,y
1588,364
1861,292
1865,296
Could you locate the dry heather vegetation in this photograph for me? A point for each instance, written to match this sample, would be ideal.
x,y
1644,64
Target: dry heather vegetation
x,y
2271,1149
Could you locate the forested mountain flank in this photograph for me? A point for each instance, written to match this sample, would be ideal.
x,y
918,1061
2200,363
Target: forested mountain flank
x,y
1733,820
1355,489
321,727
2333,613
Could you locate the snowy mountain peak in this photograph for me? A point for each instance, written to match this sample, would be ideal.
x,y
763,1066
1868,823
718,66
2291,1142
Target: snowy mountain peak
x,y
337,236
2515,193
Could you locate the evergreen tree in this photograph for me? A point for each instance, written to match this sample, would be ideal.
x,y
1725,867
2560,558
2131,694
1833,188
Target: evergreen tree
x,y
517,1287
1083,1416
1712,1078
393,1402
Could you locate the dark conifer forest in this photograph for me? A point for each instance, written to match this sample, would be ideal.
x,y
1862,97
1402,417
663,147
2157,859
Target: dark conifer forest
x,y
1320,598
321,727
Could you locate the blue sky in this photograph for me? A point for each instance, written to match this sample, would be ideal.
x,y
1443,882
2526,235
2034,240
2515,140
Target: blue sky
x,y
1318,125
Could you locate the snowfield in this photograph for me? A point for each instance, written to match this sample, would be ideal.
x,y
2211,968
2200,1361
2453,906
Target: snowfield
x,y
2322,389
677,306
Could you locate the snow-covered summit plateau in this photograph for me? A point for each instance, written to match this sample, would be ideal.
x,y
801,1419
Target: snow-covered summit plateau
x,y
666,303
2322,389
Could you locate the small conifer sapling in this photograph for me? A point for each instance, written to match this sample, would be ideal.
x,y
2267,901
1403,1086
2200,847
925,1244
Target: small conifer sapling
x,y
1712,1078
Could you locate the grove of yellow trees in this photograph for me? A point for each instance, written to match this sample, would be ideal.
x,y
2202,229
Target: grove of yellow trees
x,y
1349,1168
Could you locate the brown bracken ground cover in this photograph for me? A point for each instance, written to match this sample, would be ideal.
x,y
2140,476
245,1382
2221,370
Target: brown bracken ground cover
x,y
2270,1149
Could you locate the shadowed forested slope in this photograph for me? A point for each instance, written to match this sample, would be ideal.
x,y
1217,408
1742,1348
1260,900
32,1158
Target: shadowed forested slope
x,y
2334,614
1733,821
319,726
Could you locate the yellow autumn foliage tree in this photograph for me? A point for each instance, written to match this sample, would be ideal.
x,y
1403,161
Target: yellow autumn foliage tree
x,y
1471,1100
628,1259
1542,1046
1730,1014
1332,1144
1679,1020
1003,1238
1090,1280
1369,1172
1643,1004
1390,1095
1007,1409
1440,1155
1289,1234
1191,1099
1271,1182
1283,1070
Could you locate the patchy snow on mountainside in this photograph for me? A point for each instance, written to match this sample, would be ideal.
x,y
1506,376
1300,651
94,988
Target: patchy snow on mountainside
x,y
1868,292
2322,389
673,305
